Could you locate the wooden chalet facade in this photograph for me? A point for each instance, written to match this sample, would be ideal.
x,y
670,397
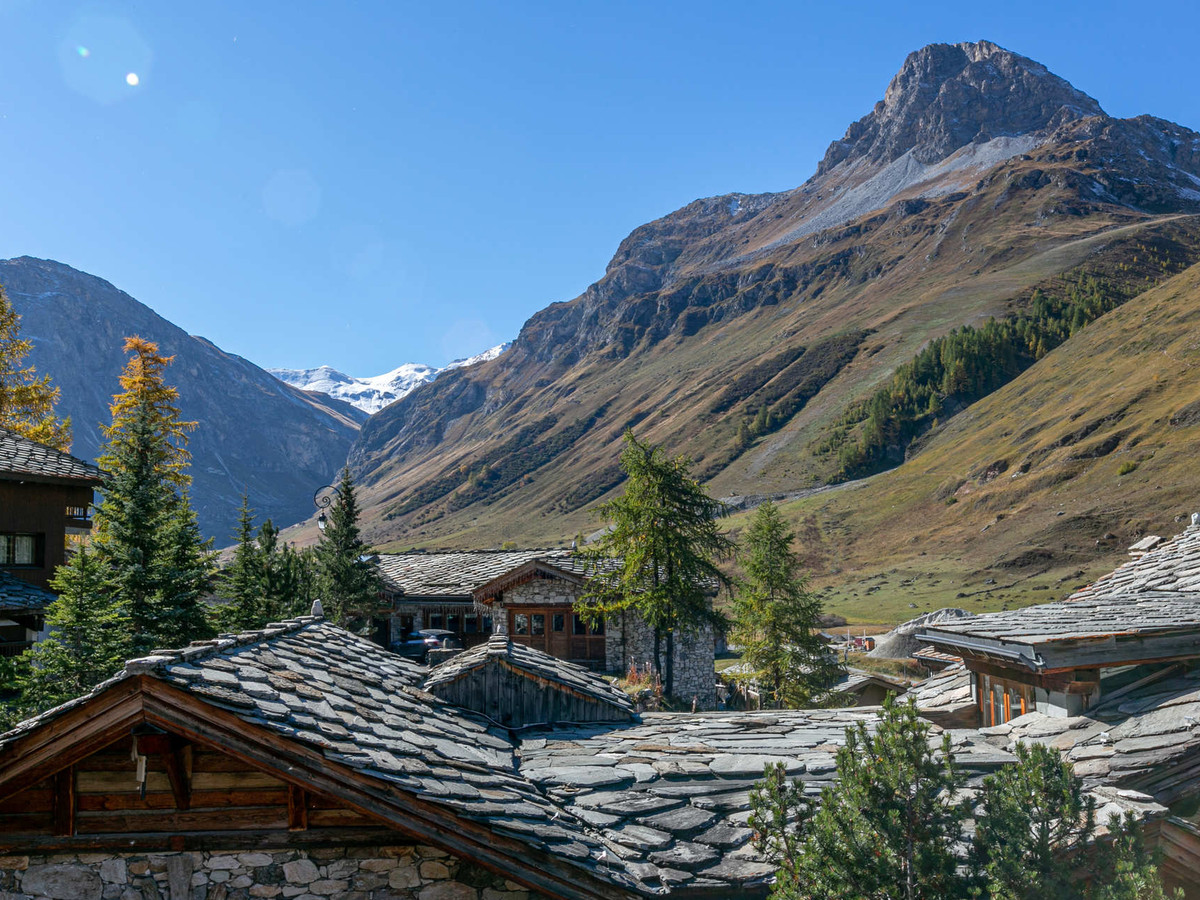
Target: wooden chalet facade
x,y
45,496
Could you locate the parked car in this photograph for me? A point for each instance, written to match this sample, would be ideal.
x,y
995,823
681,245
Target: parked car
x,y
418,644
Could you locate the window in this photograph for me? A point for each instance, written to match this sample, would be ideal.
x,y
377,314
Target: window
x,y
19,550
435,621
520,623
487,624
471,626
578,626
538,623
598,628
452,623
559,622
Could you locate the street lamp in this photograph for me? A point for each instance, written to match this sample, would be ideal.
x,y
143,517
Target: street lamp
x,y
322,500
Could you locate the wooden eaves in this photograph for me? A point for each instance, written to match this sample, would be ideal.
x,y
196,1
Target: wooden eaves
x,y
66,739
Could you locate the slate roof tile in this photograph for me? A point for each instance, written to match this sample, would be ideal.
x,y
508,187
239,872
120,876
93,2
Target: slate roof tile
x,y
19,456
17,596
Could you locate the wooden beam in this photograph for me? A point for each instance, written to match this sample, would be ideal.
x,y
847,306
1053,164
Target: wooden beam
x,y
127,842
64,802
71,737
176,773
297,805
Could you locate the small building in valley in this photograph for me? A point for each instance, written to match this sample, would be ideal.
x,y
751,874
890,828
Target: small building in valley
x,y
531,596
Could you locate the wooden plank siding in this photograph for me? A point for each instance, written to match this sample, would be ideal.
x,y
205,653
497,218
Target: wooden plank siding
x,y
101,795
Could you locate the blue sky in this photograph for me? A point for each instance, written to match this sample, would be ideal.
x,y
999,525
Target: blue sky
x,y
382,182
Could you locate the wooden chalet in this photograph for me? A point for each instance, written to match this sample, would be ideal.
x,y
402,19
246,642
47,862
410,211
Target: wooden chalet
x,y
1062,658
437,589
45,496
251,752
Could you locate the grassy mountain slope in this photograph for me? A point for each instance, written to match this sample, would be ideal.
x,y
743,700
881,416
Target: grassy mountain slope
x,y
1036,489
740,329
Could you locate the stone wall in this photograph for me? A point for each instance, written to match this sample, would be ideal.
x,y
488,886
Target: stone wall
x,y
695,657
359,873
542,592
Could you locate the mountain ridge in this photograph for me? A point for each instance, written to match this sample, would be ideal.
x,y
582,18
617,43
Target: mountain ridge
x,y
707,296
255,435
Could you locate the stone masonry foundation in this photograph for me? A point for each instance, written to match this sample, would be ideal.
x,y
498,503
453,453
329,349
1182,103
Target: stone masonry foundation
x,y
356,873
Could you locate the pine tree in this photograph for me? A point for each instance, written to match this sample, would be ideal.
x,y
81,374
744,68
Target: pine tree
x,y
1032,816
347,583
26,401
888,827
664,532
145,534
776,619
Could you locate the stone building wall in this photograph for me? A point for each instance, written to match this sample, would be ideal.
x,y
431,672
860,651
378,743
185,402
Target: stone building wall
x,y
357,873
542,592
695,657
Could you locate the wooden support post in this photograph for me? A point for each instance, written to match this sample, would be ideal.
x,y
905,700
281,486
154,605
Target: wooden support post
x,y
297,808
64,802
177,774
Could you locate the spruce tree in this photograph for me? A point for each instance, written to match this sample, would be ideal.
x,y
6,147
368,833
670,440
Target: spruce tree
x,y
775,619
347,582
664,532
286,576
26,401
241,581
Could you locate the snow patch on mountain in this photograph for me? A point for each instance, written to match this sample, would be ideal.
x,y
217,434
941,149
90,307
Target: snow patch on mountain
x,y
374,393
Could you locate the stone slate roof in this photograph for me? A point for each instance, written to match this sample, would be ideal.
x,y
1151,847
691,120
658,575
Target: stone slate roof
x,y
21,458
655,806
459,573
673,792
1155,595
1145,738
947,688
532,662
1171,567
21,596
362,707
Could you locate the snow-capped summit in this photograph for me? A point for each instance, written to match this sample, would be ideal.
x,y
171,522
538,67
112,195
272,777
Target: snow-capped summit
x,y
374,393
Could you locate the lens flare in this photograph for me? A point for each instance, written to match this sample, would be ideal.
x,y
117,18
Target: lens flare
x,y
83,51
132,79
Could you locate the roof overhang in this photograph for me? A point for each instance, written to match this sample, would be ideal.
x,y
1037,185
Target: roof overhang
x,y
1009,653
84,727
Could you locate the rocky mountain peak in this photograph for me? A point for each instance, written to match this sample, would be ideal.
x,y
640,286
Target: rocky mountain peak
x,y
947,96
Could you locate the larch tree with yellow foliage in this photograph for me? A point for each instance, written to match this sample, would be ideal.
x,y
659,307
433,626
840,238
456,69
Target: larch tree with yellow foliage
x,y
145,536
139,582
26,400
